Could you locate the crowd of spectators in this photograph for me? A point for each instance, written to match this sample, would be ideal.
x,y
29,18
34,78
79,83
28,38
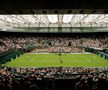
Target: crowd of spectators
x,y
59,49
21,78
53,44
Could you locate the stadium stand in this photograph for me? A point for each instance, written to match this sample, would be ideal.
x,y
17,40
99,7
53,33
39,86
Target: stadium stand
x,y
52,78
53,44
46,78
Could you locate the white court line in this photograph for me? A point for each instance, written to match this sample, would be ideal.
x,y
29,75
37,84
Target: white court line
x,y
63,61
57,53
31,59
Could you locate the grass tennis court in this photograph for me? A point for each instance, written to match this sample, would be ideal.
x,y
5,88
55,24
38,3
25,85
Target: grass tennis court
x,y
49,60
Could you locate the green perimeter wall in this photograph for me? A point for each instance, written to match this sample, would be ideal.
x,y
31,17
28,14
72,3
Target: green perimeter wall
x,y
98,52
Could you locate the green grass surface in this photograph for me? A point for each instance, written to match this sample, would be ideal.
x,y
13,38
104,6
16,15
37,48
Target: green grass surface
x,y
49,60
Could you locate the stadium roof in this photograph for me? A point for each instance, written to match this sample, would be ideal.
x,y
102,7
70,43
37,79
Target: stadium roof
x,y
20,14
54,20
